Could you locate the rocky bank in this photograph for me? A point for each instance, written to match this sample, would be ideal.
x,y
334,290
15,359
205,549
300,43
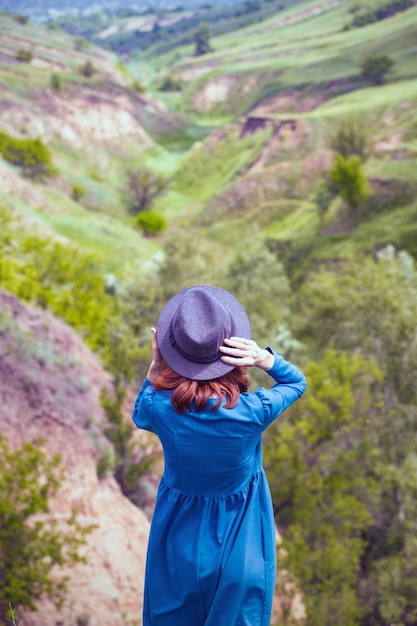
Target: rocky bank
x,y
49,387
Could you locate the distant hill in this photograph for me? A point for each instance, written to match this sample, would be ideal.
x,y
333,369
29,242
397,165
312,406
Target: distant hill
x,y
49,9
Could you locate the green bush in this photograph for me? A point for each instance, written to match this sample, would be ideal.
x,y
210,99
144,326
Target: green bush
x,y
24,55
62,279
32,543
349,180
375,68
170,84
56,82
78,192
73,285
138,86
32,155
151,222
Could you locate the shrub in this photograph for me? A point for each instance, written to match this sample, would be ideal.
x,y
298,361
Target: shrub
x,y
21,19
375,68
143,187
323,195
129,462
170,84
138,86
78,192
30,548
106,463
151,222
88,69
352,139
24,55
30,154
202,40
56,82
349,180
381,13
80,43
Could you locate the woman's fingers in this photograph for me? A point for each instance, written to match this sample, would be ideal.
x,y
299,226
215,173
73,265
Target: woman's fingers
x,y
239,351
242,361
239,340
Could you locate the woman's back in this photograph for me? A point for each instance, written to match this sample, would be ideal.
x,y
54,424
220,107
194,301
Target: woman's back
x,y
211,453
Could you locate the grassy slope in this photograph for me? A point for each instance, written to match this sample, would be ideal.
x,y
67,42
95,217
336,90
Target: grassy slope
x,y
99,223
309,53
300,51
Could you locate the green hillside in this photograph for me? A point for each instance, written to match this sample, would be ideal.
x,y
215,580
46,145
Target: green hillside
x,y
284,163
302,65
94,125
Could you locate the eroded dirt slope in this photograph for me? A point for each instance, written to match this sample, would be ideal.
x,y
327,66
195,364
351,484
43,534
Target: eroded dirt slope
x,y
49,387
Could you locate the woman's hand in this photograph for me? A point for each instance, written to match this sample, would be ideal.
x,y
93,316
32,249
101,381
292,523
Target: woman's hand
x,y
155,365
242,352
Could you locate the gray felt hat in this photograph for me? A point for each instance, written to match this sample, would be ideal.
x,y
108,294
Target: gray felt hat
x,y
194,324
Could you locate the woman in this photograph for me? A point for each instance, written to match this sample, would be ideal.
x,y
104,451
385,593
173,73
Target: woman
x,y
211,556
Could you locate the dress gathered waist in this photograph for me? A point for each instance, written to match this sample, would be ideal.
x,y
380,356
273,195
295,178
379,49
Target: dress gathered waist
x,y
242,491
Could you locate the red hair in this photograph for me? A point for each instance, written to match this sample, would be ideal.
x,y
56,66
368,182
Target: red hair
x,y
186,391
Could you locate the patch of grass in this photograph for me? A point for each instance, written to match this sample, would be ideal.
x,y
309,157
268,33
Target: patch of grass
x,y
369,100
210,166
301,222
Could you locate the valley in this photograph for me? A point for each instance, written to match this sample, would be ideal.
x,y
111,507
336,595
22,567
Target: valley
x,y
280,164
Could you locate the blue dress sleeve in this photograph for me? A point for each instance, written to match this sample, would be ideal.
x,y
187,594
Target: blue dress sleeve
x,y
290,385
142,411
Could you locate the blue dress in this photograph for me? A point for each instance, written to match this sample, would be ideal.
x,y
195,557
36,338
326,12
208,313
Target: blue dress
x,y
212,552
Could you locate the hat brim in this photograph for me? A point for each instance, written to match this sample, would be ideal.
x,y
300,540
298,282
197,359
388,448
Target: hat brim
x,y
179,364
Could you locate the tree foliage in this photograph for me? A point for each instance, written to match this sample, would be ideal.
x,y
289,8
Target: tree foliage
x,y
265,300
144,186
57,276
202,40
367,309
371,306
352,138
382,12
31,541
321,468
